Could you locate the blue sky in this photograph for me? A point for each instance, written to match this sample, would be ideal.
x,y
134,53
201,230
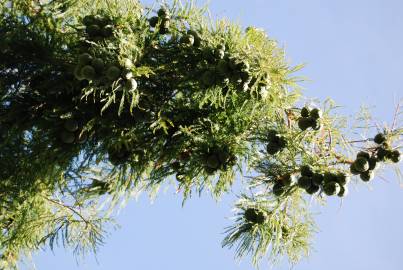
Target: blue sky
x,y
353,53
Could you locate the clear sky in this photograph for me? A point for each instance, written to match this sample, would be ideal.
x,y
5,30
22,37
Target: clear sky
x,y
354,54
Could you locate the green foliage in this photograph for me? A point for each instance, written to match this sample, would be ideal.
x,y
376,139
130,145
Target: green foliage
x,y
102,105
286,229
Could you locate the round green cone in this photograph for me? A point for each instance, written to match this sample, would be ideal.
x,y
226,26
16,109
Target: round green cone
x,y
331,188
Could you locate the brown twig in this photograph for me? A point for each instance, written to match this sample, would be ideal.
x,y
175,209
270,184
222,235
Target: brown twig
x,y
341,159
69,208
359,141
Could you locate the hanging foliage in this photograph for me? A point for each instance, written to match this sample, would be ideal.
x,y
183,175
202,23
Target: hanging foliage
x,y
104,99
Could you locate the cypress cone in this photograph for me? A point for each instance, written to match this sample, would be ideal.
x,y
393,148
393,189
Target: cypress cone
x,y
380,138
278,189
367,176
254,216
331,188
305,112
361,164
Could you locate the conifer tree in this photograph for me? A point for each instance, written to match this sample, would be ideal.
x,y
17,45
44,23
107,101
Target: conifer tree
x,y
103,99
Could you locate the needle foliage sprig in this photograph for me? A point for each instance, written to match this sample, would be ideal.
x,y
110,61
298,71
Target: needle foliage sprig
x,y
103,99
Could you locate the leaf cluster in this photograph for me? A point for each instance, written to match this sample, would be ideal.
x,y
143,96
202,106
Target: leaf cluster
x,y
103,99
